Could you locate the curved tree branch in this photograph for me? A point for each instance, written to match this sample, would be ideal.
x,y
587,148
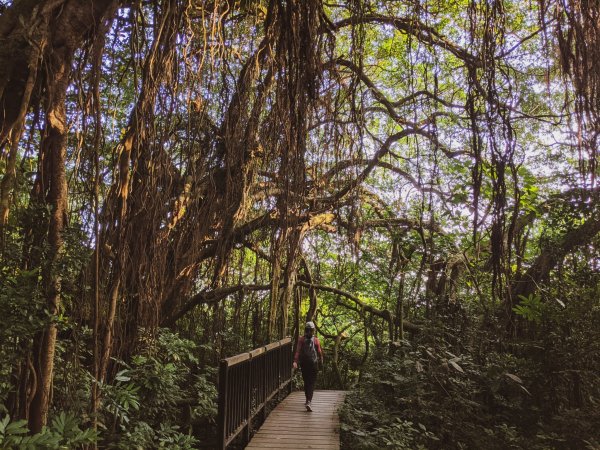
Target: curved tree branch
x,y
383,313
347,164
209,298
414,27
527,284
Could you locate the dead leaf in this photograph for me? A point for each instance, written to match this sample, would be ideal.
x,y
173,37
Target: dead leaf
x,y
525,389
514,378
456,366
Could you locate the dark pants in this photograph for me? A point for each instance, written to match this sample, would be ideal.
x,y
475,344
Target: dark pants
x,y
309,375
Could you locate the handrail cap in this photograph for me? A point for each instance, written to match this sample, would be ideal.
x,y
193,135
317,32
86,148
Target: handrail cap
x,y
257,351
272,345
233,360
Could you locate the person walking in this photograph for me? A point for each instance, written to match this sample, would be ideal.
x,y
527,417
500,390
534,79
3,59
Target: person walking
x,y
308,354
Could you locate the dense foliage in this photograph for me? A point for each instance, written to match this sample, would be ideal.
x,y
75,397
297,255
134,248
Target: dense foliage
x,y
447,392
184,180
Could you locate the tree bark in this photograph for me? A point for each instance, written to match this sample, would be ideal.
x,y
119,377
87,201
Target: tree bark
x,y
527,284
54,149
40,36
30,30
312,294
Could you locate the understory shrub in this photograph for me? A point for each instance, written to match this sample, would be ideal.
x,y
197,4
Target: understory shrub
x,y
426,395
155,399
63,432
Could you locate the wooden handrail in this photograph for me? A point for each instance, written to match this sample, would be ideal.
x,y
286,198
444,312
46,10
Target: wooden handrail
x,y
247,382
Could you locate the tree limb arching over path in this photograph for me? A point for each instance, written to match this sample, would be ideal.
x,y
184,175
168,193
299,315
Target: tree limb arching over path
x,y
229,169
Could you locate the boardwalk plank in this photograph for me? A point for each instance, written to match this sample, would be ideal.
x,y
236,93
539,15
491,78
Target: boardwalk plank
x,y
289,436
290,426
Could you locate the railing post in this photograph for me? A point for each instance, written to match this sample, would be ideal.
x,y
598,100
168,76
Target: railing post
x,y
287,366
279,371
248,429
290,362
263,381
222,421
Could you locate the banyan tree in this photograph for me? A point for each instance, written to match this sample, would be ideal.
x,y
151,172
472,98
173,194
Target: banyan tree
x,y
174,138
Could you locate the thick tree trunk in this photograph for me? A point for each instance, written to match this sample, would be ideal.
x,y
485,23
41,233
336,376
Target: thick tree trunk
x,y
293,255
42,35
527,284
283,280
33,33
54,150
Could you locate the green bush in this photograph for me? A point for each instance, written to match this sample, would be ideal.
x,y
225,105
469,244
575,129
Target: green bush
x,y
425,396
144,406
63,433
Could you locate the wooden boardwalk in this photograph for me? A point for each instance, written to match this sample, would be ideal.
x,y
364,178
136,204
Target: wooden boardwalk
x,y
290,426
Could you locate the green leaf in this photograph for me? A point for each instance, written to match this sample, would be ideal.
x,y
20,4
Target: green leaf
x,y
18,427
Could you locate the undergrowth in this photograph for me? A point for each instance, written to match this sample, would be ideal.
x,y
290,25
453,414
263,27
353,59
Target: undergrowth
x,y
425,394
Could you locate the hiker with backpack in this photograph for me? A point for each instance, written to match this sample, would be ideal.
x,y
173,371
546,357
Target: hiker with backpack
x,y
308,355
